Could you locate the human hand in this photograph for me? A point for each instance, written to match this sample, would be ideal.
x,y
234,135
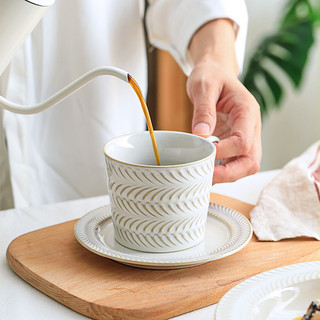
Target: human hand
x,y
222,105
225,108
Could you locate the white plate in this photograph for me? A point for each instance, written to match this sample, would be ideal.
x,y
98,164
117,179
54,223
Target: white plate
x,y
279,294
227,231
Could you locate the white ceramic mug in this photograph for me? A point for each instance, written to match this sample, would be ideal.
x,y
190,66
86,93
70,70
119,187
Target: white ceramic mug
x,y
159,208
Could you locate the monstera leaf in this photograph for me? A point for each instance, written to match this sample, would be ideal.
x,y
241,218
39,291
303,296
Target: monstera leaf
x,y
285,51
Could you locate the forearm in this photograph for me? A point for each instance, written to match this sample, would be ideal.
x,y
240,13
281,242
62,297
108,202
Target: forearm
x,y
215,43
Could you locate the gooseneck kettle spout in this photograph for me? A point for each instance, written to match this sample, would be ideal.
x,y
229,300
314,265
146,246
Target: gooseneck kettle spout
x,y
65,92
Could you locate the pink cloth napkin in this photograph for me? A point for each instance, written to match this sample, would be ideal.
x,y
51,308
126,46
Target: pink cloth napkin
x,y
289,206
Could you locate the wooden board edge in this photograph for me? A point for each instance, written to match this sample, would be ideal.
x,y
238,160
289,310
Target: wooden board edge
x,y
68,300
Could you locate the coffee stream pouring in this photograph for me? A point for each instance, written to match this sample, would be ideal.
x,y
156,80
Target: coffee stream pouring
x,y
17,20
76,85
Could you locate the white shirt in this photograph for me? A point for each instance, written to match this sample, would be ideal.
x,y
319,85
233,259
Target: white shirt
x,y
57,155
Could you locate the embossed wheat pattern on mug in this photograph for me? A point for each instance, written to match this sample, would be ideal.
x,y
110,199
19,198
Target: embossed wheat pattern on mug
x,y
159,210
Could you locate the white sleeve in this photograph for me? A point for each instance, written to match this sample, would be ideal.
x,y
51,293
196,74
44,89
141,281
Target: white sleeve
x,y
172,23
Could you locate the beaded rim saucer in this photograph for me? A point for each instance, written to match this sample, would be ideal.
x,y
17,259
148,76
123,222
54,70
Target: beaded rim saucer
x,y
281,293
227,232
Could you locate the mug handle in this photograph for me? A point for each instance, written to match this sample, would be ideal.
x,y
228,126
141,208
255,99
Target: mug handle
x,y
213,139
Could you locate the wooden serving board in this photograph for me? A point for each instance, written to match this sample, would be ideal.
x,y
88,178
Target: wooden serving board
x,y
54,262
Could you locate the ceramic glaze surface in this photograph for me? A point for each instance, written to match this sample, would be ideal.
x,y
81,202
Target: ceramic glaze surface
x,y
278,294
227,232
161,208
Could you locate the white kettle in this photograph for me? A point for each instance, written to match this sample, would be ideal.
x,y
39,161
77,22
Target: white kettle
x,y
17,20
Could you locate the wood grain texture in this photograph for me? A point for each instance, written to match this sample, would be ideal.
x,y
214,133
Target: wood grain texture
x,y
54,262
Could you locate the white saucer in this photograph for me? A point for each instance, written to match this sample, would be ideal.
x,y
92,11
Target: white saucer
x,y
279,294
227,232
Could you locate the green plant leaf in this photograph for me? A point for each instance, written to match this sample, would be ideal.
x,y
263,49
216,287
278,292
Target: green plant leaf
x,y
287,48
297,11
289,67
274,85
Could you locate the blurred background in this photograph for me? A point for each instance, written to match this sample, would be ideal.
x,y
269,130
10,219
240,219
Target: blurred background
x,y
281,69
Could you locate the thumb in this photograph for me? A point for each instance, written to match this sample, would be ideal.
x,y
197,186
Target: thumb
x,y
204,99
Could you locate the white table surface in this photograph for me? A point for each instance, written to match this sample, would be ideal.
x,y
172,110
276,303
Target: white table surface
x,y
19,300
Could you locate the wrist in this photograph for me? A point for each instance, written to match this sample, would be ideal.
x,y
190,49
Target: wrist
x,y
215,43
